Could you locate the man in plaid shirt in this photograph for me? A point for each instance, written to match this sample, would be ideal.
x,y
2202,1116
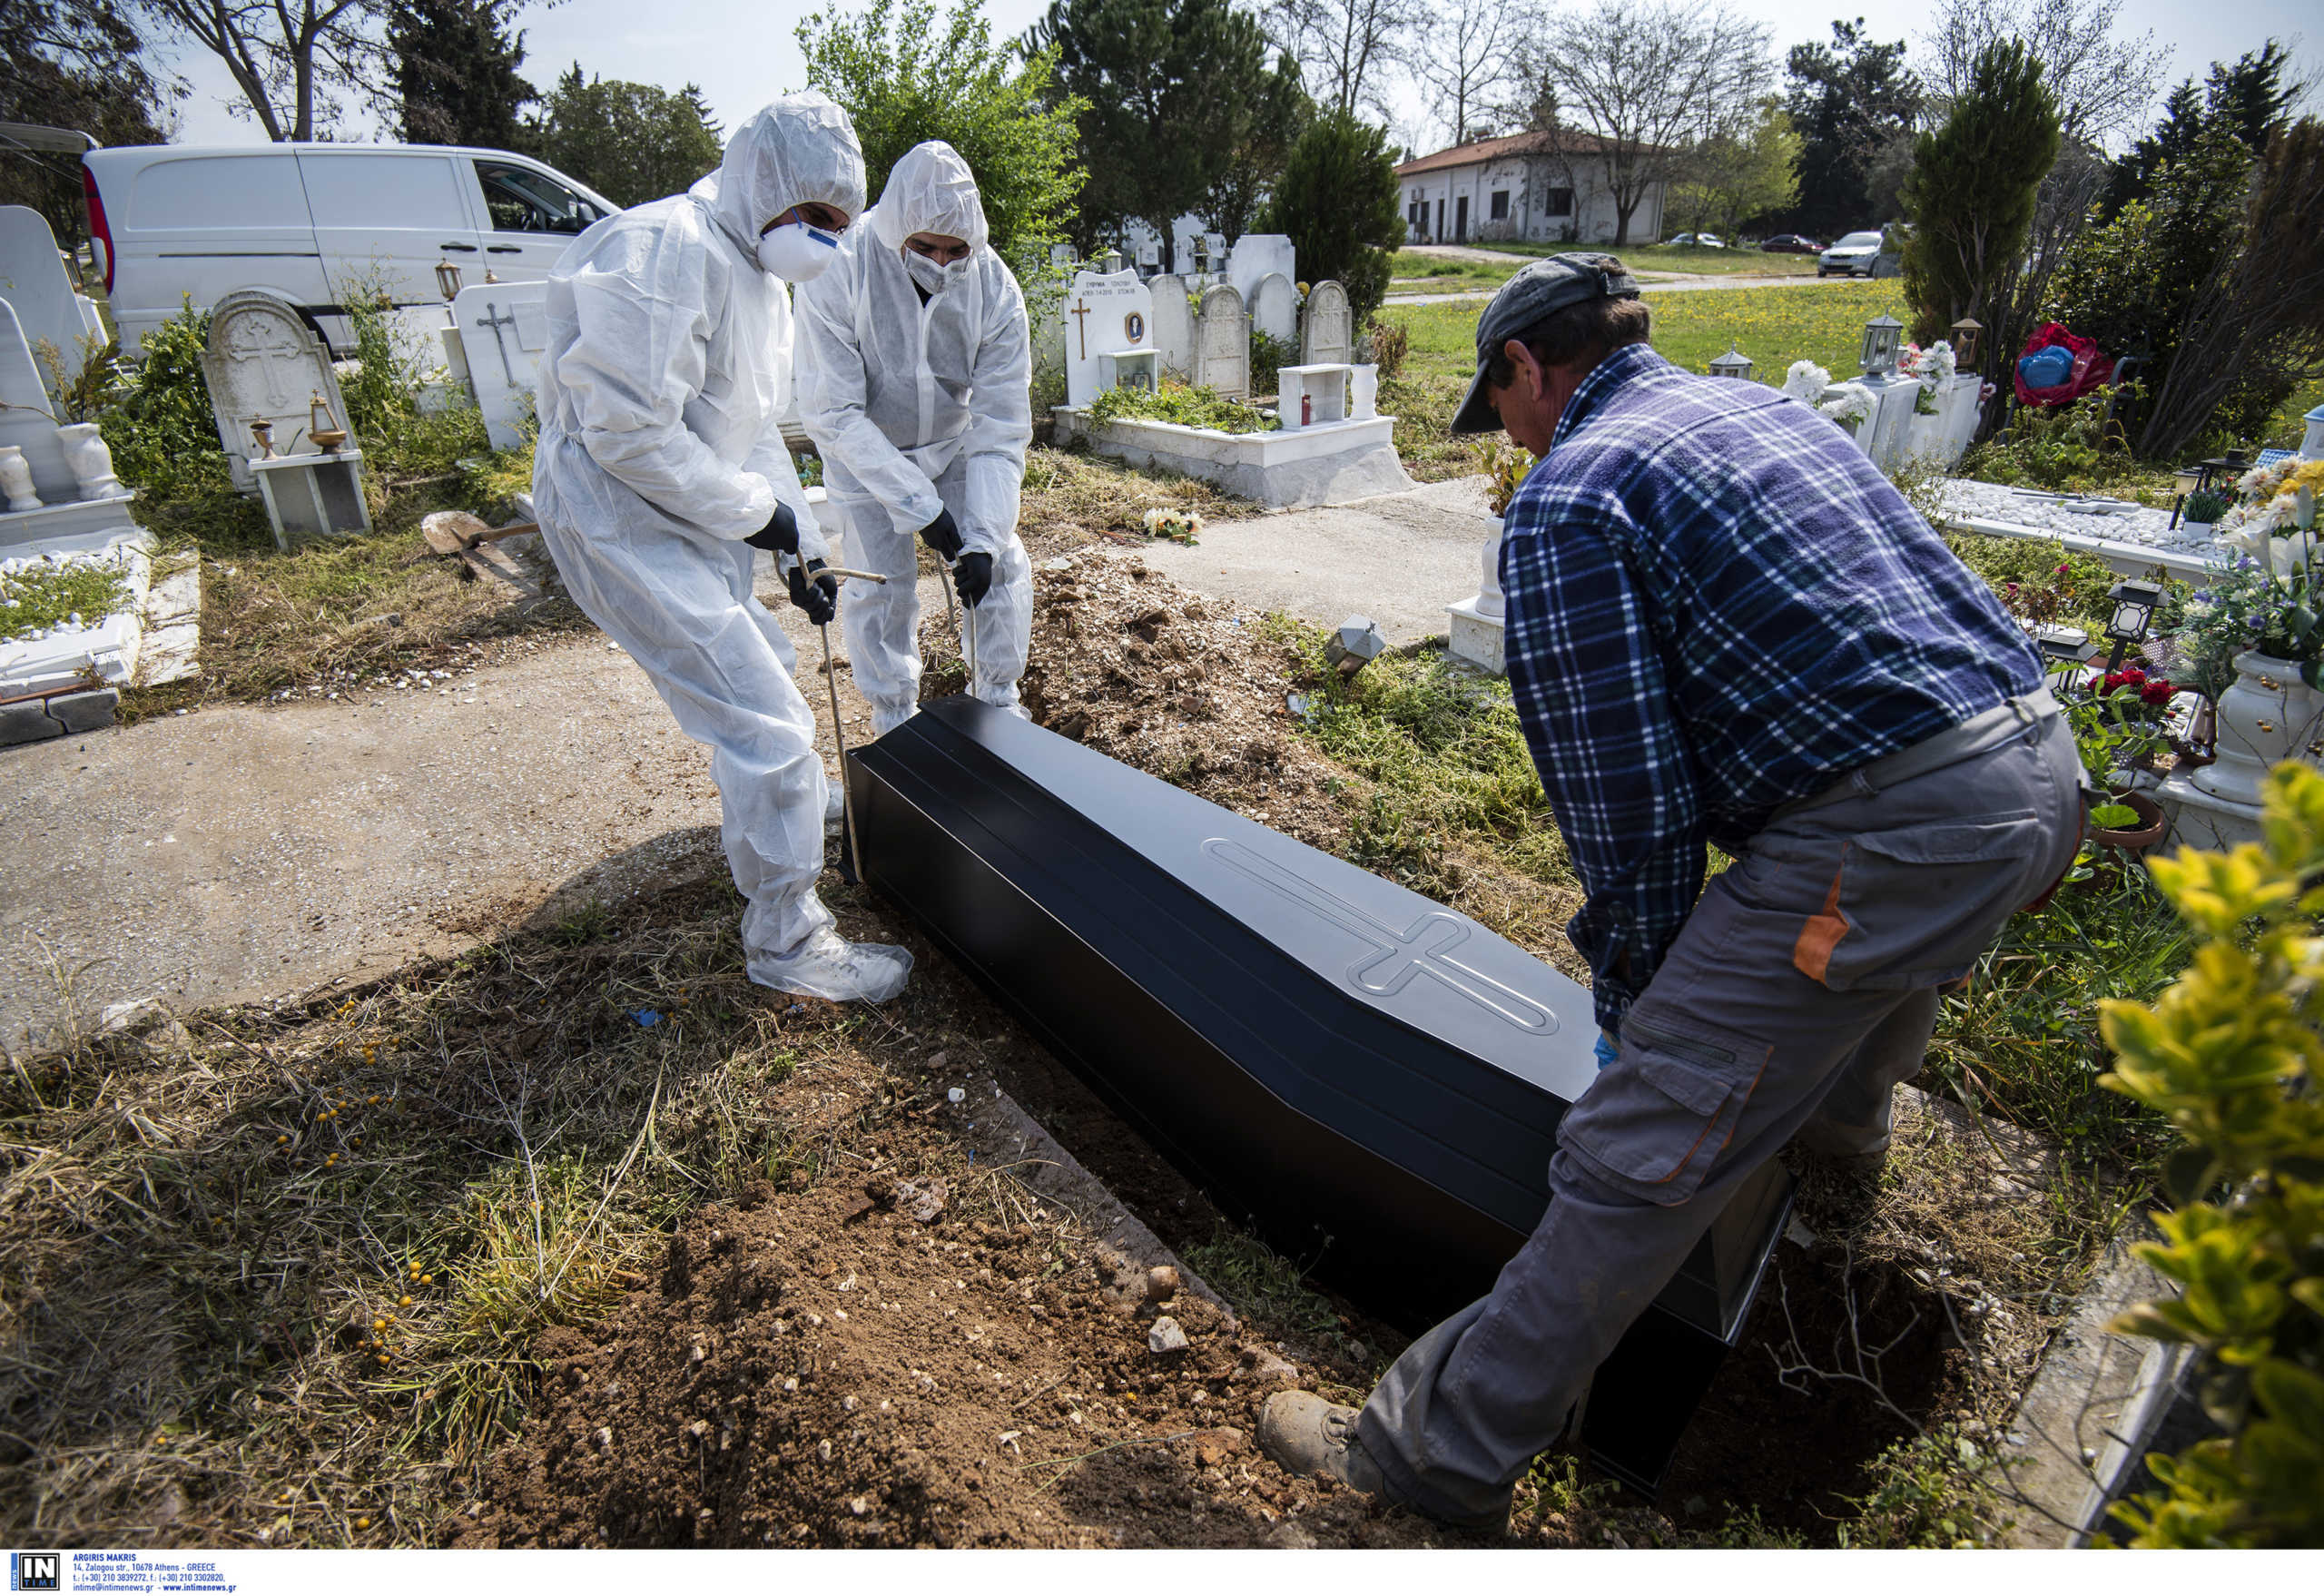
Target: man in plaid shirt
x,y
1724,627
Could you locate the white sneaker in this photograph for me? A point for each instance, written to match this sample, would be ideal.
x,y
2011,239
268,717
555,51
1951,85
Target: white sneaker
x,y
827,965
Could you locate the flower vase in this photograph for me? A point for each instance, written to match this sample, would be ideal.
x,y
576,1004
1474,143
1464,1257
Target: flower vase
x,y
86,453
2266,716
17,480
1490,601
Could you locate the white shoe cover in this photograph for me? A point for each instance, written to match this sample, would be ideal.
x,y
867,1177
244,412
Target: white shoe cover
x,y
834,805
886,716
829,966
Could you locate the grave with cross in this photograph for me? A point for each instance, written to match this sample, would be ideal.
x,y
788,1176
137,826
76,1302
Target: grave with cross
x,y
505,330
1109,317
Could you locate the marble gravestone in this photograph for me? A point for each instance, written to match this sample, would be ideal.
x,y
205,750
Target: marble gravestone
x,y
263,364
34,280
1274,308
1173,324
504,328
1256,255
1106,313
1325,331
1222,344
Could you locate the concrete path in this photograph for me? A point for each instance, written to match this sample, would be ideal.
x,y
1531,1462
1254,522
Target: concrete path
x,y
1399,559
244,850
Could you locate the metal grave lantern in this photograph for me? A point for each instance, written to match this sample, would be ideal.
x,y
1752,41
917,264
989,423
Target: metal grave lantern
x,y
2135,605
448,281
1968,343
1356,643
1882,334
1733,363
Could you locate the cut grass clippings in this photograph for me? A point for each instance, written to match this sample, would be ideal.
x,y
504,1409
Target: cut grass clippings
x,y
40,595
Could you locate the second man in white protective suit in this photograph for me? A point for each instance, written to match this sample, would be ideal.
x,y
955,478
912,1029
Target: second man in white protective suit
x,y
915,368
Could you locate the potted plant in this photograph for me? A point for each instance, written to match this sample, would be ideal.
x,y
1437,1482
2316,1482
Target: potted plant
x,y
1506,469
2117,723
2202,509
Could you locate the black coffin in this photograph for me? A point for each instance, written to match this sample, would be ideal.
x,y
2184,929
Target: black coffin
x,y
1374,1080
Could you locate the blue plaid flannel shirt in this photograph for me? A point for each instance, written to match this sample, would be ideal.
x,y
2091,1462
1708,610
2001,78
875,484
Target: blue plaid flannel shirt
x,y
1716,604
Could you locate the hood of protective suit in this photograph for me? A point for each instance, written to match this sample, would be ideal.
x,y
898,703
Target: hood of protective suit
x,y
931,190
800,149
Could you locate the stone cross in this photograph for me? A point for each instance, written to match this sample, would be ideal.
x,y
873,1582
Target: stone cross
x,y
1080,312
494,320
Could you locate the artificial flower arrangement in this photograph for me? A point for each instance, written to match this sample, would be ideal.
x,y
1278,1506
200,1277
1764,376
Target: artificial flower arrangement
x,y
1931,368
2252,603
1176,525
2275,522
1847,403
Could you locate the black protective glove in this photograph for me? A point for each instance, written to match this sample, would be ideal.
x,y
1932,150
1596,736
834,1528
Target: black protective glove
x,y
816,592
780,534
942,536
972,574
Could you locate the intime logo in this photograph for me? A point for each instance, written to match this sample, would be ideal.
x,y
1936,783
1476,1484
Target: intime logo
x,y
34,1571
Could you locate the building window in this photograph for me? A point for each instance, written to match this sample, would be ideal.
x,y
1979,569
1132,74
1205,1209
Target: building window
x,y
1557,202
1501,204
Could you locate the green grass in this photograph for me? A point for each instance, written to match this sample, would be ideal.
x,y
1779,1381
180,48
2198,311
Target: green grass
x,y
1177,403
42,596
1412,272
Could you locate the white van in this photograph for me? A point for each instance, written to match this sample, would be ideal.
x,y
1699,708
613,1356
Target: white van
x,y
313,221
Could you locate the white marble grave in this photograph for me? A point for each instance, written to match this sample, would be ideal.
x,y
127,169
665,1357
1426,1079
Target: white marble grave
x,y
1222,361
504,329
1173,324
1311,395
1274,308
49,311
1105,314
1260,254
1326,331
264,364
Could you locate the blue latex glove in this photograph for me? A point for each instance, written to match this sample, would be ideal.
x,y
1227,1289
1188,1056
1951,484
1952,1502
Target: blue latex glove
x,y
1607,1048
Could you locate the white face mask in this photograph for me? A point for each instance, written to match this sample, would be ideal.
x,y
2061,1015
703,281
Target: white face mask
x,y
932,277
797,253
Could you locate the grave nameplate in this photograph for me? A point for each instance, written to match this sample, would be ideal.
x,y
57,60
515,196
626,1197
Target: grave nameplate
x,y
1104,313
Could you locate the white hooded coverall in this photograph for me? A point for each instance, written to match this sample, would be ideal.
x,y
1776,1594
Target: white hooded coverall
x,y
668,363
918,407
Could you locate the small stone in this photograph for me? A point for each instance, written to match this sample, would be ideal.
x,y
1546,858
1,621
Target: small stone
x,y
1161,1283
848,1404
1165,1336
605,1438
858,1506
823,1451
956,1096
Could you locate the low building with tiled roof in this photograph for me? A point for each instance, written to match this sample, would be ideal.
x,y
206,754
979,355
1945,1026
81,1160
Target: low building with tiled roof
x,y
1549,188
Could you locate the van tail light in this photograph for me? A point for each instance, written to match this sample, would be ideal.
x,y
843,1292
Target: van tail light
x,y
99,234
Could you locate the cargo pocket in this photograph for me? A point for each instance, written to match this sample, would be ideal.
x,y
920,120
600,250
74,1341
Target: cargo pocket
x,y
1655,1123
1916,906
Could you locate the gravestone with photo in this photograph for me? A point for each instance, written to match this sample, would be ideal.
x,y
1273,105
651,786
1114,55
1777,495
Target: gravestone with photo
x,y
1106,313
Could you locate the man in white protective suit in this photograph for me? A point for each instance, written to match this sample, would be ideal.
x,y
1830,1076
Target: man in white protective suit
x,y
915,382
661,472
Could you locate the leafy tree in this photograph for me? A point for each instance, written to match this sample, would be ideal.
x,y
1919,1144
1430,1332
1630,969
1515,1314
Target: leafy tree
x,y
630,142
456,66
1849,101
79,64
1169,91
1972,192
905,79
2249,97
1338,201
1279,114
1732,177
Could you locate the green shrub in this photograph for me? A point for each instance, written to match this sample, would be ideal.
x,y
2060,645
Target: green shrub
x,y
1339,201
2067,445
162,432
1270,355
2230,1055
1176,402
2204,506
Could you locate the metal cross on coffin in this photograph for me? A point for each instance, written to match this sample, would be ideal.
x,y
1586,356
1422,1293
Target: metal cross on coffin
x,y
497,320
1082,326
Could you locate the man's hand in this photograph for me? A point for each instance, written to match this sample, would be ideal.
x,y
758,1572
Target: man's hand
x,y
780,534
942,536
972,574
816,592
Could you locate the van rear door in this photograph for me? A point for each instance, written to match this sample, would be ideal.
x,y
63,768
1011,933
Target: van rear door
x,y
201,226
383,218
530,214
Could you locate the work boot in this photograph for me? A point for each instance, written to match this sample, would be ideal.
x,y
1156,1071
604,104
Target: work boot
x,y
1307,1435
827,965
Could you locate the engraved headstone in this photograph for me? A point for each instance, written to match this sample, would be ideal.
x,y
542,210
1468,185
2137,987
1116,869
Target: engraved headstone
x,y
1275,306
1222,344
504,328
1173,324
34,280
263,364
1324,333
1255,255
1105,314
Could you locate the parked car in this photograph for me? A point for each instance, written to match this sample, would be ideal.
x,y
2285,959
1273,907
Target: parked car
x,y
1791,244
318,223
1698,240
1859,254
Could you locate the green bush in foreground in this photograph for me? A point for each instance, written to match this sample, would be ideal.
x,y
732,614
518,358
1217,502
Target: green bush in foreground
x,y
2230,1056
1177,403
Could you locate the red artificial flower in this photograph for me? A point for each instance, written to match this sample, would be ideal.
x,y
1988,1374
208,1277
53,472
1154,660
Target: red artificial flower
x,y
2158,691
2097,685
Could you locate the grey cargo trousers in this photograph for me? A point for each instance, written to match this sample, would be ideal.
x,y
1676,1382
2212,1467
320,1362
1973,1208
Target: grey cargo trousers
x,y
1799,992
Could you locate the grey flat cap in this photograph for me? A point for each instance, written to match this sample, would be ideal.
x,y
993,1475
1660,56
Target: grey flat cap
x,y
1528,298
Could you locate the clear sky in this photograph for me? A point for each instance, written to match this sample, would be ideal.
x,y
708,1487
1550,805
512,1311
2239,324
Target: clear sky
x,y
743,54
